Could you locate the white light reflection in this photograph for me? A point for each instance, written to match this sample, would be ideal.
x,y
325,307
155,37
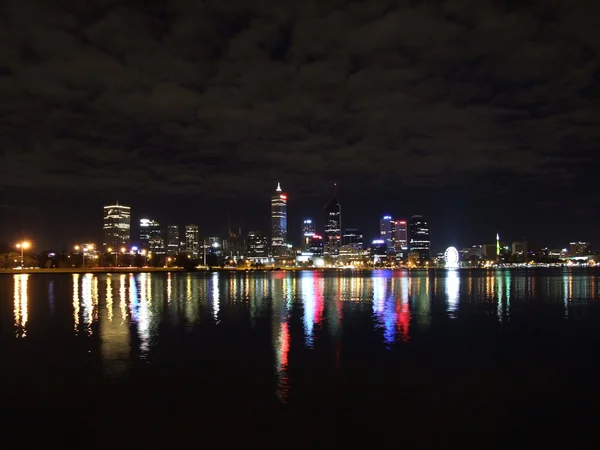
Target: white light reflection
x,y
169,287
215,296
143,315
500,291
109,298
452,291
115,345
122,299
21,306
86,301
568,290
507,280
76,302
308,301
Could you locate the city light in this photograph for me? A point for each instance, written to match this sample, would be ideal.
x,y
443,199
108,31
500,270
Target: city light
x,y
23,245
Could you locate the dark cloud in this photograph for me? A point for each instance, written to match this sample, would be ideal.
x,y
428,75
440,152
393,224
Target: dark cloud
x,y
219,99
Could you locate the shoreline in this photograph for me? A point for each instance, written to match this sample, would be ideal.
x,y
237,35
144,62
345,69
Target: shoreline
x,y
109,270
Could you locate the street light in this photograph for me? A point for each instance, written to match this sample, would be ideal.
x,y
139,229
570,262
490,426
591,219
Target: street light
x,y
83,250
23,245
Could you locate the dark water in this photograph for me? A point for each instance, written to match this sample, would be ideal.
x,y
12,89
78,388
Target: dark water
x,y
300,360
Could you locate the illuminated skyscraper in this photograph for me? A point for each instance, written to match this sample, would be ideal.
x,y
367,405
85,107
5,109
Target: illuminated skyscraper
x,y
400,237
308,231
278,222
117,227
315,245
173,240
333,227
151,236
257,246
192,247
419,243
386,231
353,237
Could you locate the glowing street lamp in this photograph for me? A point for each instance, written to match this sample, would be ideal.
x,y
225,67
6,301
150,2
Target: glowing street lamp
x,y
23,245
83,250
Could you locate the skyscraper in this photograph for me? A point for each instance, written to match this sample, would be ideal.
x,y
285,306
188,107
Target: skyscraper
x,y
172,240
333,227
400,237
353,237
386,231
192,246
278,222
257,246
151,236
117,227
308,231
419,244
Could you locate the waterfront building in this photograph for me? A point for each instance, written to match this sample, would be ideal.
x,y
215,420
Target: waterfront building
x,y
117,227
419,242
579,248
400,237
353,238
151,236
308,231
279,222
519,250
257,246
333,227
173,243
192,245
316,246
386,232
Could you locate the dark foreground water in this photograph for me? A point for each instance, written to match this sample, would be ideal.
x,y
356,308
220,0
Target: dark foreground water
x,y
385,359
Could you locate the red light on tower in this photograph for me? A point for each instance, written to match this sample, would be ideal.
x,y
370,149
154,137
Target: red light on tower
x,y
284,197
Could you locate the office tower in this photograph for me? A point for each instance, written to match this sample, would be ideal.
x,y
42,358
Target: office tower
x,y
419,243
386,231
579,248
333,227
400,237
257,245
278,222
308,231
117,227
353,237
151,236
192,246
519,251
379,248
173,244
316,245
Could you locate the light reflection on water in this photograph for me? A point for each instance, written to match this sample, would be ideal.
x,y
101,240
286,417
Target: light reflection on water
x,y
21,305
304,309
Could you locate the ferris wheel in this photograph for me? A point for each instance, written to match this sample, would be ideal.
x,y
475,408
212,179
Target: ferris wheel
x,y
451,257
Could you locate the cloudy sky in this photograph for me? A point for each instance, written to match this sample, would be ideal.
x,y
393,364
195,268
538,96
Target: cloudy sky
x,y
482,115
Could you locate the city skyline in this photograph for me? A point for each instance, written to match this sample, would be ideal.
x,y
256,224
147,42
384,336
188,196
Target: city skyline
x,y
374,226
459,111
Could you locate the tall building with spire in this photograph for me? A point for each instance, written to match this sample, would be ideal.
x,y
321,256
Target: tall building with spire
x,y
278,222
117,227
333,226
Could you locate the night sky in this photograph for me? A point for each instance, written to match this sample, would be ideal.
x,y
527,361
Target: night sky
x,y
483,116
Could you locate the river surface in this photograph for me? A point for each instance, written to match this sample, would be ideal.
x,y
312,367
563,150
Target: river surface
x,y
433,359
